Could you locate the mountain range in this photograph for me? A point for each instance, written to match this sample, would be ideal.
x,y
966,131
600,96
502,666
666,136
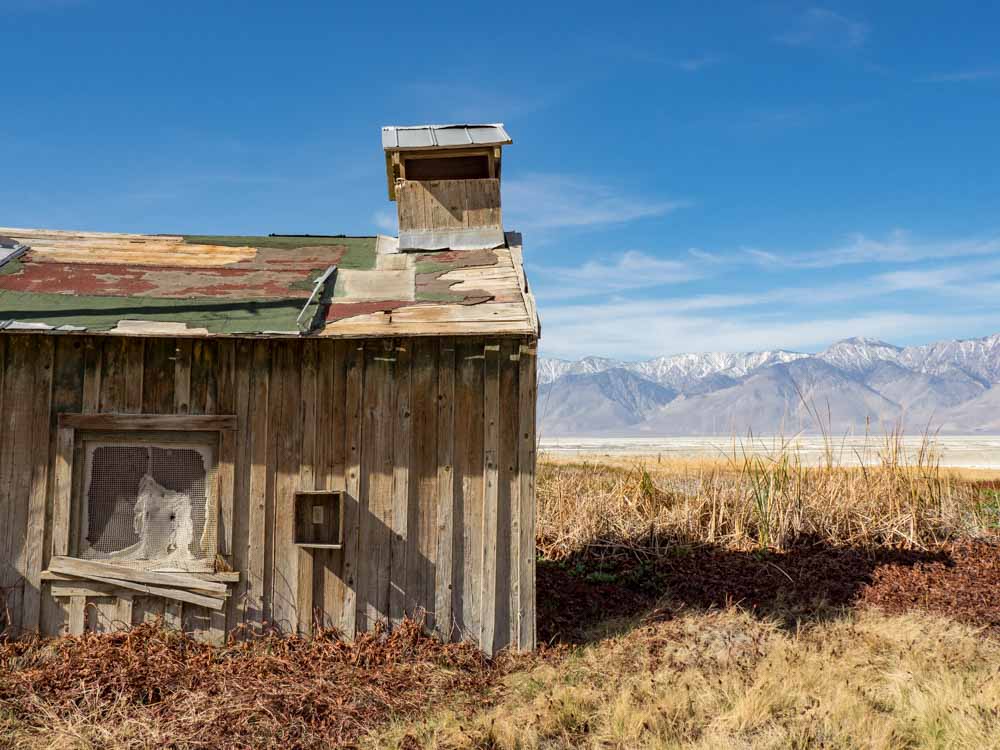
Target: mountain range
x,y
858,384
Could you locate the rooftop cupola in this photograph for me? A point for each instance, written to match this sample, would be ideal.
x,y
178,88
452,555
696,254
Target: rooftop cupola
x,y
445,180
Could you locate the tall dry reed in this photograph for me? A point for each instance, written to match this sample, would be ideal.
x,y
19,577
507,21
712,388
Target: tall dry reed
x,y
751,501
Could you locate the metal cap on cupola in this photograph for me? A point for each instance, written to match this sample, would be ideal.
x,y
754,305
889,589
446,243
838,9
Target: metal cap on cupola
x,y
445,180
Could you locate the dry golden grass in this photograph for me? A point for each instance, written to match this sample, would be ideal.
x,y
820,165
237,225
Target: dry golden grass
x,y
706,679
726,680
752,500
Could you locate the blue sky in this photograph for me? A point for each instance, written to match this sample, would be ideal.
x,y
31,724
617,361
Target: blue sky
x,y
749,176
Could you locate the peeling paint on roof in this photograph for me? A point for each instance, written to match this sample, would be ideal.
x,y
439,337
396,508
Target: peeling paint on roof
x,y
233,286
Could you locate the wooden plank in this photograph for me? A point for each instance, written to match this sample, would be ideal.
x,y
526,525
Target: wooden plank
x,y
67,395
508,507
173,614
196,622
333,417
230,577
134,374
113,375
77,612
34,539
6,449
164,422
308,408
15,474
446,488
158,376
112,399
225,482
288,438
323,470
354,363
422,501
273,448
491,492
526,467
67,589
208,371
182,376
202,377
376,485
100,570
63,491
91,376
448,204
217,633
146,609
224,402
469,433
398,519
257,436
101,613
241,487
123,614
179,595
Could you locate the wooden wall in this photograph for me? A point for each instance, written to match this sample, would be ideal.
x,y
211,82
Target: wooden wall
x,y
432,439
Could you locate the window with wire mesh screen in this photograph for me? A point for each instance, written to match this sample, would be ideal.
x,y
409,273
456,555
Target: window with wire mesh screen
x,y
148,503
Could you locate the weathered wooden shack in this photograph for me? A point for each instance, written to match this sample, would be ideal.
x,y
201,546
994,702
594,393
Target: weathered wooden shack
x,y
292,432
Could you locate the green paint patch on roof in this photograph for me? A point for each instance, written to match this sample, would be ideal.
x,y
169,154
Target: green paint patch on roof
x,y
456,297
12,266
430,266
225,317
360,253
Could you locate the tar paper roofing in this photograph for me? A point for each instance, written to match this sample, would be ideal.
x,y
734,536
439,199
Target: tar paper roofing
x,y
257,286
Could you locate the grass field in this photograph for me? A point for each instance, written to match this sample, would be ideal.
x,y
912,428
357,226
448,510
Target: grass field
x,y
744,603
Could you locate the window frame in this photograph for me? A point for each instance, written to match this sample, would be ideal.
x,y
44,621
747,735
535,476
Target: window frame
x,y
75,429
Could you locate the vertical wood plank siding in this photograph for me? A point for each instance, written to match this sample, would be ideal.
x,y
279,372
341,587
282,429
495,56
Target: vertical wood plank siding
x,y
432,440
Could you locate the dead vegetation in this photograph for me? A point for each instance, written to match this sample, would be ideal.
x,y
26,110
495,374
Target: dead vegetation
x,y
750,603
748,501
150,687
728,680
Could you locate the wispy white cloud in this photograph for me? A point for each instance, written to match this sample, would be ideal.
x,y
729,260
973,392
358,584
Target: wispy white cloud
x,y
823,28
950,279
698,63
899,246
629,330
962,76
687,63
608,309
386,221
630,270
558,201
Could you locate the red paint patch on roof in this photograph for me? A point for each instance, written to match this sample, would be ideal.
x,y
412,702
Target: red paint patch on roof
x,y
344,310
108,280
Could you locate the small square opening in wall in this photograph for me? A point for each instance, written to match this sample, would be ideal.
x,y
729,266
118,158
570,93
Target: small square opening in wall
x,y
319,519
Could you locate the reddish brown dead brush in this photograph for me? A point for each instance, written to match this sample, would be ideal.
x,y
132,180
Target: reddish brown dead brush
x,y
266,692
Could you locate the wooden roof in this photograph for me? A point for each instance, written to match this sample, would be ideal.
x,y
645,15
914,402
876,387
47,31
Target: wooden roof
x,y
337,286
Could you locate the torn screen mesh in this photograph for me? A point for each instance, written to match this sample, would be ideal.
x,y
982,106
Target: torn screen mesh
x,y
147,505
